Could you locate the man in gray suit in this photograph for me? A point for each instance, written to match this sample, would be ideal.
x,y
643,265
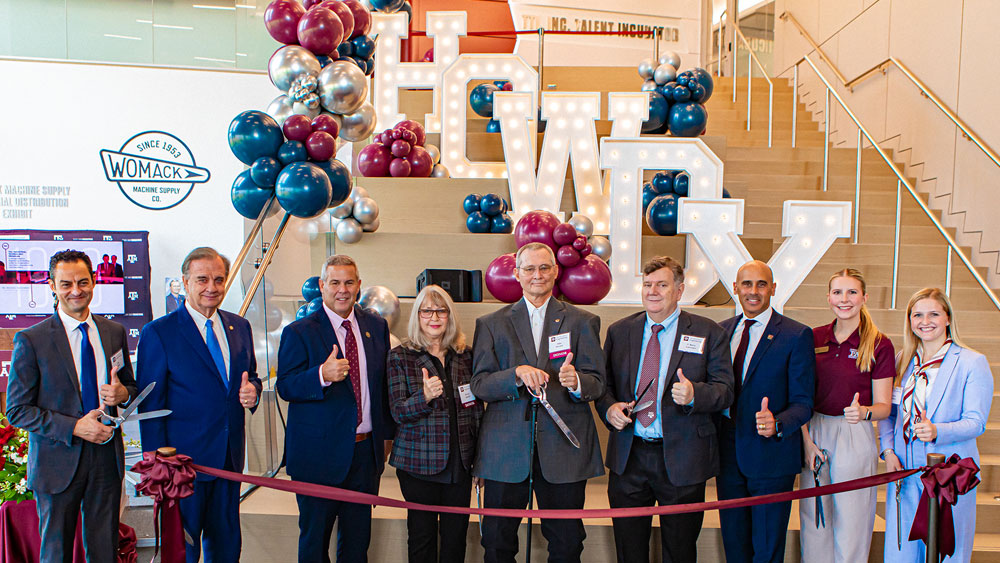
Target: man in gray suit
x,y
537,343
64,371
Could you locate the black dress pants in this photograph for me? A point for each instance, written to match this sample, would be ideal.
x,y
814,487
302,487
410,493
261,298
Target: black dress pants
x,y
423,528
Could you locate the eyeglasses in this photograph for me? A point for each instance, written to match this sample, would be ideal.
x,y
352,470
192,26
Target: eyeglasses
x,y
428,313
543,269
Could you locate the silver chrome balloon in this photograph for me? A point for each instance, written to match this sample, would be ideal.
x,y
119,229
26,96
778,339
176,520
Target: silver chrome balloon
x,y
371,227
290,62
357,192
664,73
582,224
359,125
380,300
440,171
648,86
343,210
670,58
304,109
646,69
434,152
280,109
349,231
601,247
365,210
342,87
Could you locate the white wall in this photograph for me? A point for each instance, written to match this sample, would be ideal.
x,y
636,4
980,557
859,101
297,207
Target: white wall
x,y
950,46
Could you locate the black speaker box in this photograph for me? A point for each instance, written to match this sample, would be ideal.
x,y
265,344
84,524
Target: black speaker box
x,y
463,286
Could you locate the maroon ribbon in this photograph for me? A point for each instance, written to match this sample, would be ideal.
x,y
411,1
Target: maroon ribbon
x,y
945,482
126,545
166,479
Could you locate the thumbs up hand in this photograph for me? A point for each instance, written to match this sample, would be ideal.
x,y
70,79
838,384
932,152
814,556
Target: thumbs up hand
x,y
334,369
855,412
567,373
248,393
765,420
113,393
682,391
433,388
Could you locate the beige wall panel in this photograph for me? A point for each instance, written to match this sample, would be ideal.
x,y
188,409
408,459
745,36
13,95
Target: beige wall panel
x,y
864,41
978,79
926,35
833,16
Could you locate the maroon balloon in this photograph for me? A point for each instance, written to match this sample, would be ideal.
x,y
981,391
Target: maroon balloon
x,y
321,145
567,256
362,18
564,234
580,242
399,168
400,148
428,56
343,12
296,127
500,280
587,250
588,282
373,161
536,226
325,122
417,129
281,19
508,87
421,162
310,3
320,31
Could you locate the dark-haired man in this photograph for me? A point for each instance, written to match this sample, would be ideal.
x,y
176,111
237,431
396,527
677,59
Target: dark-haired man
x,y
65,369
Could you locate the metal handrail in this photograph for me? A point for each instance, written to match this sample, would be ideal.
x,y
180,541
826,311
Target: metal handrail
x,y
751,56
903,181
805,34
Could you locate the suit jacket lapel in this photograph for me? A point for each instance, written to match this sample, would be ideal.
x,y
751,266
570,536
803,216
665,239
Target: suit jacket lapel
x,y
58,337
326,332
554,315
635,330
683,322
364,327
235,351
942,379
190,331
521,325
770,331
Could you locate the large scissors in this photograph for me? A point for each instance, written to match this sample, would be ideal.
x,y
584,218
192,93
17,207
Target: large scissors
x,y
818,463
543,399
129,413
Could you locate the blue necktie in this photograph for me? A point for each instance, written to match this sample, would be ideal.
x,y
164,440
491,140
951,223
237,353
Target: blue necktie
x,y
216,351
88,371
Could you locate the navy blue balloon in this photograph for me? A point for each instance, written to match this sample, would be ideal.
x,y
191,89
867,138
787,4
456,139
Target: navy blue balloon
x,y
301,312
408,8
697,92
292,151
493,126
501,224
248,198
648,195
500,83
303,189
707,82
345,49
658,111
688,120
313,306
253,134
481,99
685,77
340,180
471,203
387,6
682,181
371,67
667,91
491,204
726,194
681,94
663,182
310,289
506,205
363,46
264,171
478,222
661,216
323,60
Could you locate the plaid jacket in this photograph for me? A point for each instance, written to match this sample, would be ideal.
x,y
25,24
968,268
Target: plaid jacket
x,y
423,432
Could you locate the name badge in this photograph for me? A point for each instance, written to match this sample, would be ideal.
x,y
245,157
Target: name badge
x,y
897,395
822,349
691,344
852,354
465,394
118,360
558,346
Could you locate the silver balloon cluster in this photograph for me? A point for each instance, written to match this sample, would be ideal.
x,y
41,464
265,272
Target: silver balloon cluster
x,y
659,73
380,300
303,90
600,246
356,216
439,170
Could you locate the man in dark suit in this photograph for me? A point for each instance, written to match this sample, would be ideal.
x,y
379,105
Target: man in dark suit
x,y
760,441
331,370
174,298
202,360
64,370
525,345
671,450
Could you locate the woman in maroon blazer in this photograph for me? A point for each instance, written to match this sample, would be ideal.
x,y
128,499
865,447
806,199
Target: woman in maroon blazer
x,y
438,425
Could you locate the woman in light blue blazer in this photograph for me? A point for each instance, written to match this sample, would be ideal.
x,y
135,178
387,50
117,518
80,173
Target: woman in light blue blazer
x,y
940,405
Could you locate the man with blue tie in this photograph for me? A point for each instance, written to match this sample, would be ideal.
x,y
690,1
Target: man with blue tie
x,y
760,437
64,370
202,361
331,370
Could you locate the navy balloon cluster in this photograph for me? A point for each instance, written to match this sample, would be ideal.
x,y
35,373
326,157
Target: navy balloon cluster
x,y
481,100
676,99
312,296
660,198
487,214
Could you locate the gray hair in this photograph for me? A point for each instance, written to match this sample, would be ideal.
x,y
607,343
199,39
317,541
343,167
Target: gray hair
x,y
659,262
339,260
532,246
202,253
453,337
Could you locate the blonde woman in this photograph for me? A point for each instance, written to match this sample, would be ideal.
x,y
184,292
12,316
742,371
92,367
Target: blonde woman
x,y
855,366
941,403
438,425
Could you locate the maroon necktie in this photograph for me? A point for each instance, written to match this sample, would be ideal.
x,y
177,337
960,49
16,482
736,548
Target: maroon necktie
x,y
351,353
741,354
650,371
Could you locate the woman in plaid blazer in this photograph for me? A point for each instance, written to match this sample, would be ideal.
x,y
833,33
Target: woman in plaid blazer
x,y
438,425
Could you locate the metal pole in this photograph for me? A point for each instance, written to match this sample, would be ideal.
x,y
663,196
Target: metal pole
x,y
749,85
265,262
826,139
947,274
736,50
718,65
795,101
656,45
857,192
770,112
531,473
933,513
237,263
895,245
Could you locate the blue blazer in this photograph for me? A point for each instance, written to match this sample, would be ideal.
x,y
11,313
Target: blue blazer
x,y
208,418
322,421
783,369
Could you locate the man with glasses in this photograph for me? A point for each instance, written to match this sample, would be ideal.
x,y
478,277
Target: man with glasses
x,y
538,346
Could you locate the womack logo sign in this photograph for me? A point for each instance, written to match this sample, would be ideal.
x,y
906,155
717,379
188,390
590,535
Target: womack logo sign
x,y
154,170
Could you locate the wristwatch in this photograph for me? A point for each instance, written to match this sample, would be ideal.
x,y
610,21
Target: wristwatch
x,y
778,429
885,451
868,413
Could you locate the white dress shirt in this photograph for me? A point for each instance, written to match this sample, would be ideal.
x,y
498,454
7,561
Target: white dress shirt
x,y
75,337
756,331
336,320
217,328
537,317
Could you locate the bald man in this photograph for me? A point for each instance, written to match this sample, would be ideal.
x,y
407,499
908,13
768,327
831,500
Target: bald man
x,y
760,443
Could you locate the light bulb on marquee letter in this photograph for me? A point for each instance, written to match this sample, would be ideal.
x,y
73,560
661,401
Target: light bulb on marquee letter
x,y
445,28
455,101
625,160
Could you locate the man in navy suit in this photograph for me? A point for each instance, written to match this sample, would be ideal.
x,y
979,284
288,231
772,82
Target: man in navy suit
x,y
331,370
760,439
64,370
202,360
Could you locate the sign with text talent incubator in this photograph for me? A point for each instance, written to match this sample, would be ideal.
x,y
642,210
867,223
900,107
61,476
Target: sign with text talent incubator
x,y
714,251
133,149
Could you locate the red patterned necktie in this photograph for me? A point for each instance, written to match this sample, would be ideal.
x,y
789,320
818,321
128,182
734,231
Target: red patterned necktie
x,y
650,371
351,353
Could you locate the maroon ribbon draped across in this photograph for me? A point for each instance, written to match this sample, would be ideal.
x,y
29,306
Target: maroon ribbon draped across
x,y
945,482
166,479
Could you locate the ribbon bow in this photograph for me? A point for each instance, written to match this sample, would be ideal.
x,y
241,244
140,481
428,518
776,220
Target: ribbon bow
x,y
166,479
945,481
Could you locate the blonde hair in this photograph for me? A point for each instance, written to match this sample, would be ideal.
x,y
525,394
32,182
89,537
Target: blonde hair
x,y
869,334
453,337
911,341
